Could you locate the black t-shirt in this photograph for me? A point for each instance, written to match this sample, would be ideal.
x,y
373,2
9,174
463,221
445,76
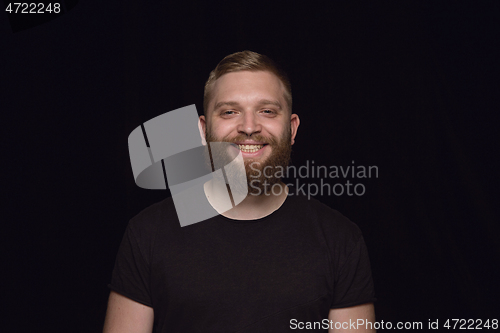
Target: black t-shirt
x,y
225,275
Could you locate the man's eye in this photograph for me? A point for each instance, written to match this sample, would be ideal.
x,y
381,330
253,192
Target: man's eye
x,y
267,111
229,112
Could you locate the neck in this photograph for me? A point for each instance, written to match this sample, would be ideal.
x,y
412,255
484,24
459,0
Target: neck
x,y
251,208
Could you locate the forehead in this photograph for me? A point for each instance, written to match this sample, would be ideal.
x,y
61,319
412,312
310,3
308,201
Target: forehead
x,y
248,87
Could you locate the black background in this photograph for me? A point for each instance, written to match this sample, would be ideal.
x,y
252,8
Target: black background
x,y
411,87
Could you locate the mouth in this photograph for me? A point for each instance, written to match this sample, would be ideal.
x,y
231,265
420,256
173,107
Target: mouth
x,y
251,148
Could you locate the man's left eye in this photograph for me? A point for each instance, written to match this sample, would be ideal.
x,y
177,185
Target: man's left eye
x,y
268,111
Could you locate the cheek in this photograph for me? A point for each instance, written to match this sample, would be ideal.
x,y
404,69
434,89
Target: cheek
x,y
219,128
277,130
226,130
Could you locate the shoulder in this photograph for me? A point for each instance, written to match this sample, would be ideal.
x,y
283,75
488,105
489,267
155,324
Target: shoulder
x,y
152,218
328,217
337,229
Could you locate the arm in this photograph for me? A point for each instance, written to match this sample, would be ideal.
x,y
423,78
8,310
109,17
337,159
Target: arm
x,y
366,312
127,316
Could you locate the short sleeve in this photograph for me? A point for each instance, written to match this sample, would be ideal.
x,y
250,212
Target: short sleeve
x,y
131,273
353,280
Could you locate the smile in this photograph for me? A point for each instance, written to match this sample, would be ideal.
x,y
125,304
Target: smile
x,y
250,148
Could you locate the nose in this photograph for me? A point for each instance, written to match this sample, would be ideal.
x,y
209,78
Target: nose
x,y
249,124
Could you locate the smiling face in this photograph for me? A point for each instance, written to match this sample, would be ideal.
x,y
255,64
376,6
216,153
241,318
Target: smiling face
x,y
248,108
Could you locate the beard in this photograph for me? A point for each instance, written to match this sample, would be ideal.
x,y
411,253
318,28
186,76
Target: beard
x,y
274,165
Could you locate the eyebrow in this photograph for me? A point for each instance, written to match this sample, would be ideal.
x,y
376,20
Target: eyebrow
x,y
260,103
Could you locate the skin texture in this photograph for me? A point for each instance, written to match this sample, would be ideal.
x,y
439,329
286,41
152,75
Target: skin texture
x,y
127,316
353,313
251,106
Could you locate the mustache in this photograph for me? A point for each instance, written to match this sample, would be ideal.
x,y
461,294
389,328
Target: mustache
x,y
260,138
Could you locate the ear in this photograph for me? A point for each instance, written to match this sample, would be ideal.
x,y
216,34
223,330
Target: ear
x,y
202,126
294,125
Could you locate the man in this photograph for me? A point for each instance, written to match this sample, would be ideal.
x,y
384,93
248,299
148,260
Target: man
x,y
276,262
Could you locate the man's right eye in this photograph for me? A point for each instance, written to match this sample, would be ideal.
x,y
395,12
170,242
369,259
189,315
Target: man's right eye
x,y
227,113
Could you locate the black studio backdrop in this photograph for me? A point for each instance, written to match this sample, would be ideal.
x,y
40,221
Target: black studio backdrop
x,y
409,87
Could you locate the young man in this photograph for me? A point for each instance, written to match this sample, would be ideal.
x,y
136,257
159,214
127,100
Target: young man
x,y
276,262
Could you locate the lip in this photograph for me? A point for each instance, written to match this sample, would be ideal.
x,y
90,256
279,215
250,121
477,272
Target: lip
x,y
250,143
254,154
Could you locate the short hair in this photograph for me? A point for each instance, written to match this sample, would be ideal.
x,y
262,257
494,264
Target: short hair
x,y
246,61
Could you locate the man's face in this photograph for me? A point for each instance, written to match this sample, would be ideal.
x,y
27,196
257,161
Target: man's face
x,y
249,109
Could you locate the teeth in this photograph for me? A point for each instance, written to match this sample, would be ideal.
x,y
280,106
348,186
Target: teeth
x,y
250,148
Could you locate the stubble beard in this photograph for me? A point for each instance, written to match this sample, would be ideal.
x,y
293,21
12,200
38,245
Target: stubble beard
x,y
258,182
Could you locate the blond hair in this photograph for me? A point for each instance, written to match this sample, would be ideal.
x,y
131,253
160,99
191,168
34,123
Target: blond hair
x,y
246,61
